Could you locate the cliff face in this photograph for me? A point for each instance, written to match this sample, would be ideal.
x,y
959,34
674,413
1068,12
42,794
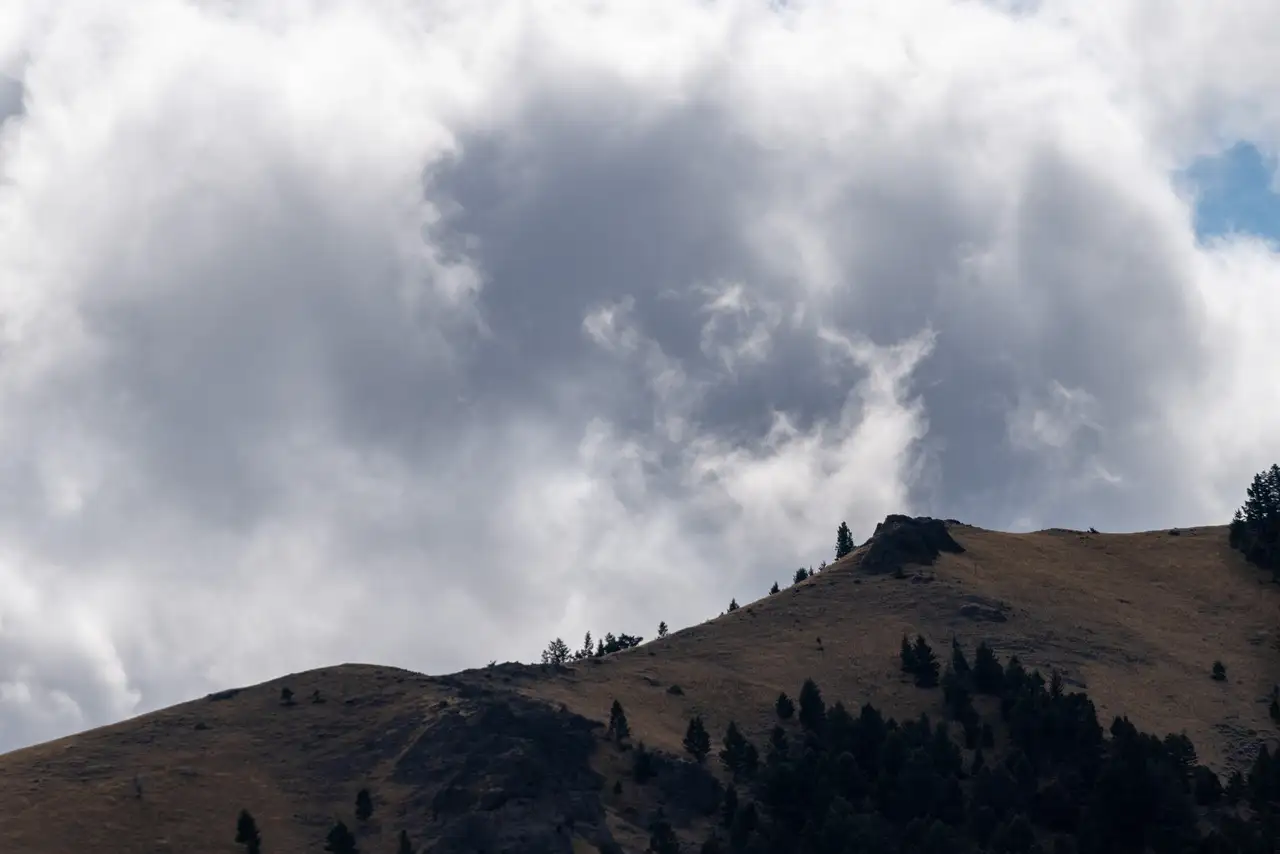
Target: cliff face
x,y
512,757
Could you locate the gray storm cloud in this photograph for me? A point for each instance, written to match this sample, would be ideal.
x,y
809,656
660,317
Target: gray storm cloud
x,y
420,333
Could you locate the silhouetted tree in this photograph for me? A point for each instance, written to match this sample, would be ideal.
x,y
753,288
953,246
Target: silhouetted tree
x,y
618,730
247,833
642,765
696,739
801,575
364,805
340,840
926,671
773,589
959,663
557,652
662,838
784,707
662,629
988,675
729,806
1219,671
844,541
1255,529
908,656
738,755
813,711
587,651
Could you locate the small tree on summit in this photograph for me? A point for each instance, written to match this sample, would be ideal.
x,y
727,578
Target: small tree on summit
x,y
247,833
844,541
696,739
773,589
733,604
1255,530
801,575
557,652
662,629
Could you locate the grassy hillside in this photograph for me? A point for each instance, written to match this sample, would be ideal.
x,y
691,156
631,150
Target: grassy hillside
x,y
1137,620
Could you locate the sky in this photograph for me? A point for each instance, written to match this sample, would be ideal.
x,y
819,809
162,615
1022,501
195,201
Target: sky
x,y
420,332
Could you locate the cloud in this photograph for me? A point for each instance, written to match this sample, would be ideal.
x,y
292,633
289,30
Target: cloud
x,y
425,332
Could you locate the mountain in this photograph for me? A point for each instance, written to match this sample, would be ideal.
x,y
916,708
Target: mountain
x,y
515,757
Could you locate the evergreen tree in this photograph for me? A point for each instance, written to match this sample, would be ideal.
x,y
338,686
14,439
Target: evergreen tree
x,y
738,755
988,675
813,711
696,739
405,847
618,730
1255,530
364,805
587,651
958,662
662,838
286,696
1219,672
557,652
247,833
926,671
908,656
340,840
729,808
801,575
844,541
773,589
784,707
662,629
642,765
733,604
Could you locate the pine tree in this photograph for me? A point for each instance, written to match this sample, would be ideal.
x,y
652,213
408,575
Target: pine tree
x,y
556,653
958,662
642,765
988,675
785,707
696,740
340,840
733,604
587,651
618,730
908,656
662,629
405,847
1219,672
813,711
364,805
926,671
729,807
773,589
801,575
247,833
844,541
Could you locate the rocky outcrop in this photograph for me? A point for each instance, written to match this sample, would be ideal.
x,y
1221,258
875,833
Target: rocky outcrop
x,y
901,540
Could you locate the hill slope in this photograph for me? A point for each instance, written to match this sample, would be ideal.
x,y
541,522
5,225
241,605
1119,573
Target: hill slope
x,y
508,758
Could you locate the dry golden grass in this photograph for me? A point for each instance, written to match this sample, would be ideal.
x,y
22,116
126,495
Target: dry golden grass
x,y
1138,619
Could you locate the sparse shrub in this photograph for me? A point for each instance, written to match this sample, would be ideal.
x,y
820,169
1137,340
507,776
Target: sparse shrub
x,y
1219,671
844,541
784,707
247,833
364,805
340,840
696,739
618,730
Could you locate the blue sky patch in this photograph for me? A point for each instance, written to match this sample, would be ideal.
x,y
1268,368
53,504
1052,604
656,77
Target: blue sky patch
x,y
1235,193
